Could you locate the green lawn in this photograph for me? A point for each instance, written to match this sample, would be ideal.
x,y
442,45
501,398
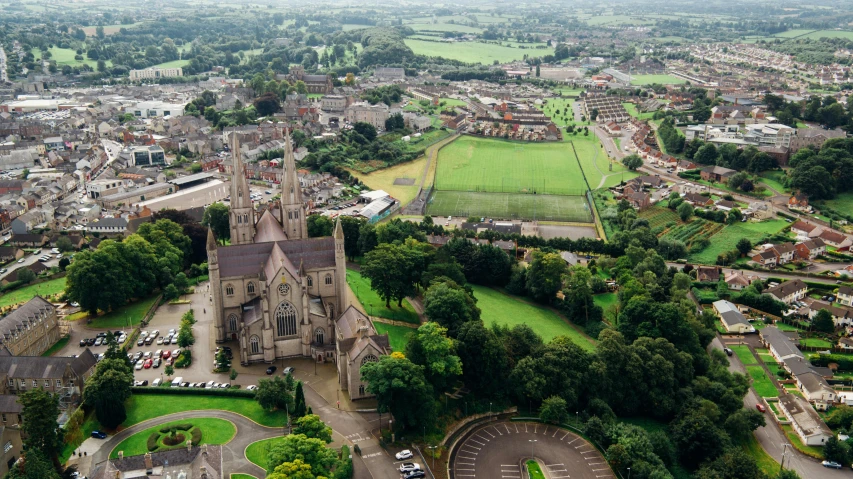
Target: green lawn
x,y
661,79
815,343
727,238
22,295
534,471
632,110
257,451
500,308
510,205
173,64
816,452
786,327
56,347
213,431
428,26
473,52
500,166
244,476
765,462
596,163
452,102
773,179
141,407
89,425
374,305
559,110
605,300
744,354
65,56
762,384
131,313
398,335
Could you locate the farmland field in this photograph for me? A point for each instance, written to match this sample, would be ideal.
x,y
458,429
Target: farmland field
x,y
108,29
498,166
658,216
471,52
693,231
510,206
443,27
728,236
816,35
503,309
661,79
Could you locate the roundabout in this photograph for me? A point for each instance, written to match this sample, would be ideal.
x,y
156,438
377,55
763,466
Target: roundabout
x,y
502,449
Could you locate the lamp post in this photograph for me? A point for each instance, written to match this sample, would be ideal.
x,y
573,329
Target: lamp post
x,y
490,409
578,419
629,473
391,427
433,455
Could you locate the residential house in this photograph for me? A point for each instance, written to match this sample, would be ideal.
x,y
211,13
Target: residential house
x,y
810,249
737,281
28,240
10,253
31,329
708,274
725,205
767,258
798,201
732,319
844,295
802,228
845,343
716,174
805,420
108,226
685,165
696,199
837,240
781,346
789,291
10,437
784,251
841,315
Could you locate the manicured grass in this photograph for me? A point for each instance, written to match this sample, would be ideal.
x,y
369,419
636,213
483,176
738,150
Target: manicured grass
x,y
452,102
773,179
213,431
727,238
397,335
661,79
257,451
503,309
842,202
141,407
500,166
632,110
534,471
384,179
65,56
132,313
173,64
510,206
374,305
744,354
762,384
56,347
89,425
816,452
443,27
559,110
247,476
596,163
786,327
22,295
815,343
472,52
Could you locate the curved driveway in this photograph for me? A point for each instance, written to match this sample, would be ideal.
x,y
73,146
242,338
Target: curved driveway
x,y
233,453
499,450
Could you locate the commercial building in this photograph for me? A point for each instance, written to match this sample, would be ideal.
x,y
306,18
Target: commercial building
x,y
366,113
139,194
149,109
144,156
154,73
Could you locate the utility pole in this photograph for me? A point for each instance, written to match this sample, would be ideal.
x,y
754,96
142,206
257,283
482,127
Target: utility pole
x,y
782,464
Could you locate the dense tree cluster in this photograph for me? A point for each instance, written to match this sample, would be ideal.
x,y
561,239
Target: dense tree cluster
x,y
823,173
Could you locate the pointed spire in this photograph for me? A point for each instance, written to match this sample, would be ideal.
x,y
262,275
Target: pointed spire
x,y
301,268
291,192
339,230
211,240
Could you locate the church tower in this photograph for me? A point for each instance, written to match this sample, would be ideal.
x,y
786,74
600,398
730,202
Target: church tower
x,y
242,217
216,294
293,219
340,270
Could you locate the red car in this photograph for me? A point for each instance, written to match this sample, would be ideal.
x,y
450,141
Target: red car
x,y
760,408
169,361
167,354
147,364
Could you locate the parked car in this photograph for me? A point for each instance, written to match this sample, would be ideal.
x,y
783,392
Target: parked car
x,y
831,464
83,343
90,342
251,387
760,407
404,454
159,341
728,351
409,467
157,362
140,342
144,382
176,353
288,370
224,386
98,341
415,475
99,434
147,355
271,370
167,354
143,334
139,364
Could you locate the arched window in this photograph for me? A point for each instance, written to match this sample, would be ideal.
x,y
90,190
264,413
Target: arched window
x,y
296,214
285,319
319,336
229,290
239,219
250,288
246,219
331,310
232,322
290,215
328,279
310,281
369,359
255,344
361,390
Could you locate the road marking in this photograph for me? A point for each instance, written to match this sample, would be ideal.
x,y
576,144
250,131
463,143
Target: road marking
x,y
507,429
516,427
525,427
472,447
588,452
478,442
465,463
559,477
564,435
465,475
573,440
460,469
509,465
555,432
602,469
487,432
552,465
470,458
483,438
469,452
496,430
578,447
535,427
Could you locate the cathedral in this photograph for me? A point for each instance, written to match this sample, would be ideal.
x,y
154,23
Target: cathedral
x,y
279,293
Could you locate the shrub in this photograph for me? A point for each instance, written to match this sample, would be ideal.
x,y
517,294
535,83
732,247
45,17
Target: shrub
x,y
194,392
196,436
177,427
184,360
152,441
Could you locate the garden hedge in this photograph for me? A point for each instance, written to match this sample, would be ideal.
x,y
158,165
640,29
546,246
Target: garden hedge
x,y
194,392
179,427
845,363
152,441
196,436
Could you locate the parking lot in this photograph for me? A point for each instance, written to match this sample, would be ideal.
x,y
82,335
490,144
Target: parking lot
x,y
501,449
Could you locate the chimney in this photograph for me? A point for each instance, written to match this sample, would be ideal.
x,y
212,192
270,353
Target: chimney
x,y
149,464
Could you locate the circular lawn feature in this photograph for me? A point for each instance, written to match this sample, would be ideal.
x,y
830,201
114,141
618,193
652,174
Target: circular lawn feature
x,y
256,452
212,431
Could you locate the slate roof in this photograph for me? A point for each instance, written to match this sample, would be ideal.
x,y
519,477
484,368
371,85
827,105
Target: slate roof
x,y
51,367
786,288
24,315
9,404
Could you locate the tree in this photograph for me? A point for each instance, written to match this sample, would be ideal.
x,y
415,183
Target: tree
x,y
365,129
545,276
743,421
34,464
107,389
63,263
697,437
395,122
744,245
707,154
273,394
835,450
99,32
312,426
170,370
450,305
216,218
300,447
823,321
685,211
292,470
401,388
319,226
185,335
352,229
554,410
632,162
267,104
40,430
299,408
484,358
430,347
26,275
63,244
393,271
222,361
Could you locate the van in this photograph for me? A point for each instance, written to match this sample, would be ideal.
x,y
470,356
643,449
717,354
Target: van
x,y
177,381
157,382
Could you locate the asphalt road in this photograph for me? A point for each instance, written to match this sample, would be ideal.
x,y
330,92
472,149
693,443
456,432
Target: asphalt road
x,y
779,274
773,439
28,260
500,449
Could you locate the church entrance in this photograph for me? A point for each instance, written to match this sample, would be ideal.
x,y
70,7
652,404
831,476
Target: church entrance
x,y
233,336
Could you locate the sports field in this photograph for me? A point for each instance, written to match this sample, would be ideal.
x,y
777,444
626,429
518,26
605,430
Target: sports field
x,y
499,166
510,206
473,52
661,79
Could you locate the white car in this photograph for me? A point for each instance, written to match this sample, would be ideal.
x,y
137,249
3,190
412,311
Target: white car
x,y
409,467
139,364
251,388
404,454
